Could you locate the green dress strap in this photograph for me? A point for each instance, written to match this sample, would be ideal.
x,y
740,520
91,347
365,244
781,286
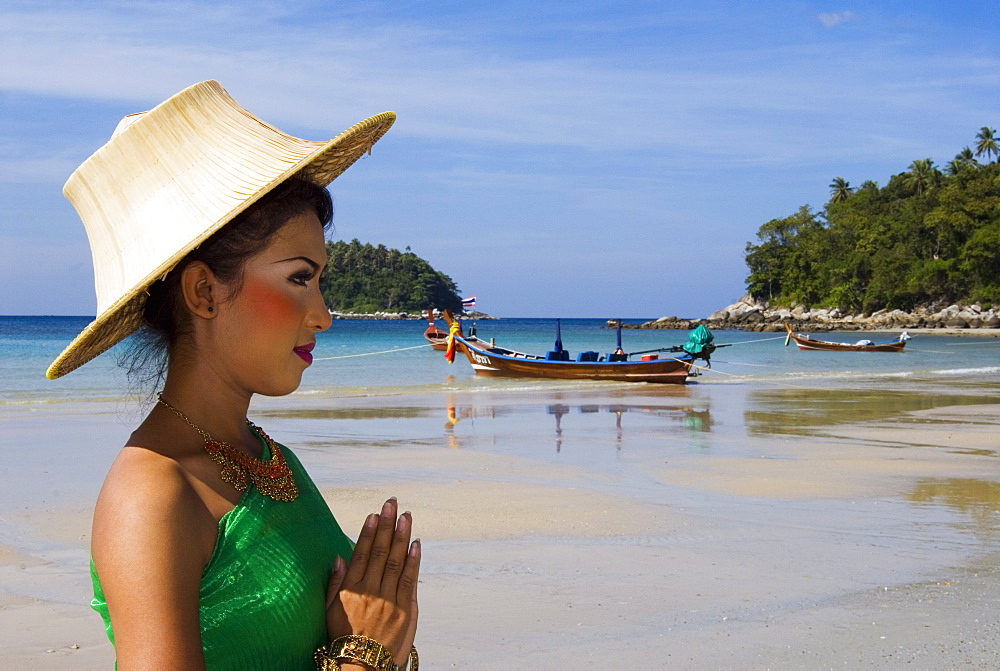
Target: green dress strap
x,y
263,593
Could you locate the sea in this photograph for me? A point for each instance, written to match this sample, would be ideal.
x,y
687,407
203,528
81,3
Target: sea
x,y
365,358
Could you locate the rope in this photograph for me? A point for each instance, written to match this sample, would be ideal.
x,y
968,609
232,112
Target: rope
x,y
770,382
781,337
740,363
705,369
351,356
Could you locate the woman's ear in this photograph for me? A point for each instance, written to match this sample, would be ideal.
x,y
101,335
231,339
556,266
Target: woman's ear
x,y
201,289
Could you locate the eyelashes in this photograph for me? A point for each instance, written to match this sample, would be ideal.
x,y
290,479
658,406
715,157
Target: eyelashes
x,y
301,279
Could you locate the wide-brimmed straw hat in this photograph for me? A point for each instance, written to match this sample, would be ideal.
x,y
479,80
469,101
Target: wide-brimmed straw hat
x,y
171,177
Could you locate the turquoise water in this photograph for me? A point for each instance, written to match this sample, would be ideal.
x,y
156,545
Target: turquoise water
x,y
375,358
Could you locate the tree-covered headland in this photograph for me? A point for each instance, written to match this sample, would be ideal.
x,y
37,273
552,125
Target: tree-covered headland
x,y
363,278
928,236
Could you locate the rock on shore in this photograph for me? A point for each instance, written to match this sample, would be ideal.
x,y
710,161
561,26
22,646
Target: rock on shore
x,y
749,314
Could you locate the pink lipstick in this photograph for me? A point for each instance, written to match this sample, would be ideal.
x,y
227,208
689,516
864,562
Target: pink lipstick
x,y
305,352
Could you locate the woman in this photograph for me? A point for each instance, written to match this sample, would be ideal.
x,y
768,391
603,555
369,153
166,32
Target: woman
x,y
212,548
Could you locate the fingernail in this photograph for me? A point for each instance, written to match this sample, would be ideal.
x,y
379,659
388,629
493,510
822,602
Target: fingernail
x,y
403,524
371,521
415,547
338,564
387,508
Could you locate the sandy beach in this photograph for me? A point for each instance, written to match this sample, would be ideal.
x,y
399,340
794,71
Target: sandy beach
x,y
707,526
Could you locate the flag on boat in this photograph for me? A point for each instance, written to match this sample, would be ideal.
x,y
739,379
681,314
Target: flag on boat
x,y
469,303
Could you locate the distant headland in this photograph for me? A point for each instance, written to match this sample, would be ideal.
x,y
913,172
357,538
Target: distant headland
x,y
921,252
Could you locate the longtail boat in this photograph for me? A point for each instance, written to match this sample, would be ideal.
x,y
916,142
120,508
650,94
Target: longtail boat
x,y
489,360
806,342
437,338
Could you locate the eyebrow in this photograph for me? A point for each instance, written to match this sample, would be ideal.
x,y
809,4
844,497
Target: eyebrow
x,y
315,266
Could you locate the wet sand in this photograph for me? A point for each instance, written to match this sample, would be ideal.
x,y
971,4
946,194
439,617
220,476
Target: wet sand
x,y
709,526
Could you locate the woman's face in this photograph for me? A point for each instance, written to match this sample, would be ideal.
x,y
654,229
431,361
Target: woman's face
x,y
266,331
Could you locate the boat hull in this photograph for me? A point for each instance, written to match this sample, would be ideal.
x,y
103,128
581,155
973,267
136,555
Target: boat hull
x,y
491,363
805,342
436,338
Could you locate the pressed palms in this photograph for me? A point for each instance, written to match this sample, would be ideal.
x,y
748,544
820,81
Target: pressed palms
x,y
987,143
840,190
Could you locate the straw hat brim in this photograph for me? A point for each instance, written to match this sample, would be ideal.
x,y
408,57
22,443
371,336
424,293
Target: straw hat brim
x,y
124,316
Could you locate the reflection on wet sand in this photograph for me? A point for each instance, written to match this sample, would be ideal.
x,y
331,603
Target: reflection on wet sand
x,y
978,499
596,416
690,419
362,412
801,411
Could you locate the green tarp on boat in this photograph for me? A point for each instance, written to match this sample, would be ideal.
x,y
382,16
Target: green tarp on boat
x,y
700,342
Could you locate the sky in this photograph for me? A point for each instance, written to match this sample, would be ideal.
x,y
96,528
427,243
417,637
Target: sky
x,y
555,159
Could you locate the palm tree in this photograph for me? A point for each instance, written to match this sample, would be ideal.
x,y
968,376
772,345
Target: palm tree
x,y
963,159
922,176
987,143
869,185
840,190
966,156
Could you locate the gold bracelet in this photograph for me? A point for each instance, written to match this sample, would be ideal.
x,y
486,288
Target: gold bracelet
x,y
356,648
323,660
413,659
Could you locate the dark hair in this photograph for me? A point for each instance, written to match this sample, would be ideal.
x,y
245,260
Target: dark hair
x,y
165,318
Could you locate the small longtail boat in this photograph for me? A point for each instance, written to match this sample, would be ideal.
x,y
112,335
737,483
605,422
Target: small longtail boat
x,y
806,342
437,338
488,360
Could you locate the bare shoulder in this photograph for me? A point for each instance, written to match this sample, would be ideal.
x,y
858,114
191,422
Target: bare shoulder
x,y
152,538
148,501
142,478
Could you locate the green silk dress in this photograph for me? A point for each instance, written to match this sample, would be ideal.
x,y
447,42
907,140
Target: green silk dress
x,y
263,593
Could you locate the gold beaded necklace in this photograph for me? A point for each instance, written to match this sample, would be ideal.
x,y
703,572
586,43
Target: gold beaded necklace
x,y
272,478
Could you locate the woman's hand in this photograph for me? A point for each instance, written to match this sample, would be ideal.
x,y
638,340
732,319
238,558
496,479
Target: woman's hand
x,y
376,594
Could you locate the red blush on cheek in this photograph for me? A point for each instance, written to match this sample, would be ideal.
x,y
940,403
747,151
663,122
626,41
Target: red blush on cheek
x,y
269,305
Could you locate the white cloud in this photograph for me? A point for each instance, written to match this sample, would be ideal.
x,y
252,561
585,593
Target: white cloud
x,y
447,87
835,19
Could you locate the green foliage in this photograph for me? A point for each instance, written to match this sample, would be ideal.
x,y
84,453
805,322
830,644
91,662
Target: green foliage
x,y
925,237
365,278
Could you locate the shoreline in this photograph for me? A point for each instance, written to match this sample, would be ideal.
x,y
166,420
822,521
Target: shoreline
x,y
750,314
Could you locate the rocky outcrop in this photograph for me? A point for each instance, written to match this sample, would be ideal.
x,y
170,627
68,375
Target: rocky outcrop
x,y
752,315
